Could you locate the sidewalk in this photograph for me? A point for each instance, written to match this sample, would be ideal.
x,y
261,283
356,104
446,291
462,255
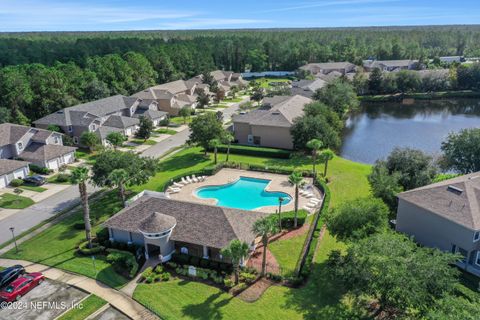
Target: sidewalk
x,y
115,298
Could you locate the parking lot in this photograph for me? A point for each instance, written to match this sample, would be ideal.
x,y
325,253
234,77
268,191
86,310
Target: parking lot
x,y
45,302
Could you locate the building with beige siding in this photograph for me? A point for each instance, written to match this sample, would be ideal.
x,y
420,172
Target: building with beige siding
x,y
270,125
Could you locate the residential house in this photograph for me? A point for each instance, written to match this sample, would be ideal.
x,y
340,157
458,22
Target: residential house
x,y
319,69
270,125
307,88
445,215
164,226
451,59
173,96
113,114
40,147
12,169
390,65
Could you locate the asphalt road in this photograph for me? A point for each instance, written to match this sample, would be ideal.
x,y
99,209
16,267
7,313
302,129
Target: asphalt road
x,y
39,212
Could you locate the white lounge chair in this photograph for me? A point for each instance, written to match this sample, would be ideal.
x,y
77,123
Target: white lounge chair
x,y
176,184
173,191
201,178
309,195
307,208
195,179
189,179
184,181
315,200
313,203
310,205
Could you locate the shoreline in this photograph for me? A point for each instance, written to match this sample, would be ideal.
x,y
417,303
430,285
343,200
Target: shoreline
x,y
398,97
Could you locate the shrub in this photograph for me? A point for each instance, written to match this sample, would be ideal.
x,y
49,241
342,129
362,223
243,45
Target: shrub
x,y
63,177
247,277
102,235
195,261
181,258
204,263
229,283
274,277
288,218
240,287
172,265
123,261
213,169
39,170
158,269
147,273
165,276
149,279
16,183
85,250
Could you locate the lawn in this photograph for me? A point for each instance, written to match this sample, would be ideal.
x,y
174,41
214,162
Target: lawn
x,y
88,306
180,120
288,251
56,245
166,131
321,298
232,99
32,188
141,141
53,179
265,82
13,201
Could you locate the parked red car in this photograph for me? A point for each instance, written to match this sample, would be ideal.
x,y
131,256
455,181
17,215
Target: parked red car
x,y
20,286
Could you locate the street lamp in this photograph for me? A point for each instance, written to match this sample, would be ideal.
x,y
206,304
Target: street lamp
x,y
280,201
12,229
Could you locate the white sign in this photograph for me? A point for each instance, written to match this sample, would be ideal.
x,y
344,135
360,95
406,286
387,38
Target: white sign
x,y
192,271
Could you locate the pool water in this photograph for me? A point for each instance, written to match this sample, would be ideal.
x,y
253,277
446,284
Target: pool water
x,y
245,193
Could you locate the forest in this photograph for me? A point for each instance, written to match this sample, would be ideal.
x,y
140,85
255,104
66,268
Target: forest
x,y
44,72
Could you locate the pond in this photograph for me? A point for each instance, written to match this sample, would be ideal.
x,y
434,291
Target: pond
x,y
377,128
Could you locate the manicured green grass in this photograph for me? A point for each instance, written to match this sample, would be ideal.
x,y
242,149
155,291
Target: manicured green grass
x,y
223,106
56,245
91,304
180,120
53,179
12,201
232,100
288,251
32,188
166,131
265,82
141,141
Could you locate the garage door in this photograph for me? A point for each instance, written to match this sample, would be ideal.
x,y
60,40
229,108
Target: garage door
x,y
68,158
19,174
53,164
3,183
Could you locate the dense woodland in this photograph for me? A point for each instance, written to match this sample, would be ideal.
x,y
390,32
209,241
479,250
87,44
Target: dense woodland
x,y
43,72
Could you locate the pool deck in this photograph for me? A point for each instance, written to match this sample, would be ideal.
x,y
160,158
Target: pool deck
x,y
278,183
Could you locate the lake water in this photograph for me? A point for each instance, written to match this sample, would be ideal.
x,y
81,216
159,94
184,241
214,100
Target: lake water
x,y
372,132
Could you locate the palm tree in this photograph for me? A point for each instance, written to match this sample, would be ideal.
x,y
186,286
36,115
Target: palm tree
x,y
236,251
228,139
265,228
326,156
297,180
80,176
119,177
215,143
315,145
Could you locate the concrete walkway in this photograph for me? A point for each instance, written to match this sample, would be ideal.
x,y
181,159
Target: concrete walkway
x,y
114,297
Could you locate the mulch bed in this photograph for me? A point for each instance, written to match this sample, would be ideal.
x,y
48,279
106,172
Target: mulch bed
x,y
255,291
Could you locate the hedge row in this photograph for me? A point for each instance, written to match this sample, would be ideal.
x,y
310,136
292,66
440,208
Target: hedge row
x,y
255,151
311,242
288,218
186,259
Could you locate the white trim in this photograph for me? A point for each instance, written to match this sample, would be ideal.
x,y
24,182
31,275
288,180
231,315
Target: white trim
x,y
476,236
476,258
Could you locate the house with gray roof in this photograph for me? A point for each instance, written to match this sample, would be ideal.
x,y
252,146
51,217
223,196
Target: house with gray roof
x,y
307,88
36,146
270,125
391,65
12,169
445,215
319,69
164,226
113,114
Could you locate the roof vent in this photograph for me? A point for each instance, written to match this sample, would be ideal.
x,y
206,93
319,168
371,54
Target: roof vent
x,y
276,113
60,111
454,189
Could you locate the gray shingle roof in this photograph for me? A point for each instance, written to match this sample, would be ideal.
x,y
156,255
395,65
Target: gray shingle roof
x,y
103,131
310,85
44,152
440,199
120,122
149,113
327,66
8,166
10,133
388,63
157,222
282,113
196,223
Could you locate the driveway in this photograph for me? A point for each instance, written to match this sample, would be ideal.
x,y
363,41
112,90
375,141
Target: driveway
x,y
110,314
33,306
27,218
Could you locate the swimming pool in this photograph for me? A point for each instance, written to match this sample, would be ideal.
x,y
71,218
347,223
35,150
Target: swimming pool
x,y
245,193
